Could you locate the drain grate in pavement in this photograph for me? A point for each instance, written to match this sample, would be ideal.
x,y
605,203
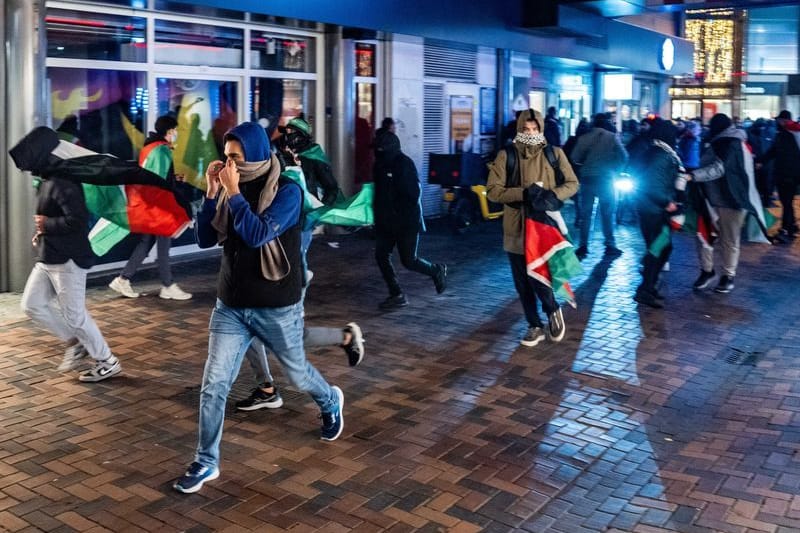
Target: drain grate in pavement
x,y
744,356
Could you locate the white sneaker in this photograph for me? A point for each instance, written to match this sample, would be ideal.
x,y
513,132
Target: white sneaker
x,y
665,268
123,286
173,292
101,370
73,357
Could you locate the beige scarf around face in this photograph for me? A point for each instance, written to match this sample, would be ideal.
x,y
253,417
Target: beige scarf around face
x,y
274,263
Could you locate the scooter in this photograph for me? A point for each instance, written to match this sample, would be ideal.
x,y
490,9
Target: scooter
x,y
463,180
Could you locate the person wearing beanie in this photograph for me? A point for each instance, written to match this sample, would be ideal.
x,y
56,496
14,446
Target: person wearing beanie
x,y
156,156
727,184
254,214
532,176
398,219
599,155
785,155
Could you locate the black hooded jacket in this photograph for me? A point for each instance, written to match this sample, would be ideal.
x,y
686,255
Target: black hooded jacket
x,y
397,189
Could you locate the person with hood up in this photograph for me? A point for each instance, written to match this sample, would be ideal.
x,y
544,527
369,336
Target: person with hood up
x,y
254,213
55,293
398,219
658,168
156,156
532,177
552,127
599,155
727,183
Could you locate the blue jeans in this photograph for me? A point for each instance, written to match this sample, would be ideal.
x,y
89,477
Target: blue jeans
x,y
604,191
230,333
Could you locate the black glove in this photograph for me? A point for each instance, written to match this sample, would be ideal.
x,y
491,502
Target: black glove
x,y
540,199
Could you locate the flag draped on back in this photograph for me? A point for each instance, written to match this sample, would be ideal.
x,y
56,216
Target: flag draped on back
x,y
125,197
549,255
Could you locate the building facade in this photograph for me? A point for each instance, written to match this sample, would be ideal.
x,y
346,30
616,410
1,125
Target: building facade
x,y
101,72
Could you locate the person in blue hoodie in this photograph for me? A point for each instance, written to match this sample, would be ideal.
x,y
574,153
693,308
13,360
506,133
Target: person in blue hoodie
x,y
254,214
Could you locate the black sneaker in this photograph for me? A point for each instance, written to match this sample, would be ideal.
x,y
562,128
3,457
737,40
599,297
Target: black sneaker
x,y
394,302
440,278
725,285
703,280
333,422
259,399
613,251
556,326
355,348
532,337
581,252
649,299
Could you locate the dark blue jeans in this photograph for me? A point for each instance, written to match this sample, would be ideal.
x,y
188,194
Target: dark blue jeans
x,y
604,191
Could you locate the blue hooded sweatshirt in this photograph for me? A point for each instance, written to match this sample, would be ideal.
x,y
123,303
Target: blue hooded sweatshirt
x,y
255,229
253,139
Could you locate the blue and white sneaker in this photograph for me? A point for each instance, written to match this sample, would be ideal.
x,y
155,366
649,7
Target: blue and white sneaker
x,y
195,476
333,422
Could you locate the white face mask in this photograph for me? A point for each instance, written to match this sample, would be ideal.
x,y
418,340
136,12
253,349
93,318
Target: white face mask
x,y
172,137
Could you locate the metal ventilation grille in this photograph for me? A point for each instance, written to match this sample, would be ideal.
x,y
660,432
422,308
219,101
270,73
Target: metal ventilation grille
x,y
433,141
450,61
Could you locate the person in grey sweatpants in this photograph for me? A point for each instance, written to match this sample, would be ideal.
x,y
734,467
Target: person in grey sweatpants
x,y
727,183
55,293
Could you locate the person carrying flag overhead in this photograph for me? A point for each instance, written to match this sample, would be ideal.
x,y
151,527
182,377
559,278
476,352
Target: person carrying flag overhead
x,y
156,156
55,293
533,183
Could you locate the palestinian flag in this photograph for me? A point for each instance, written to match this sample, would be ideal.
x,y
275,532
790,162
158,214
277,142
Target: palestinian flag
x,y
353,211
549,255
125,197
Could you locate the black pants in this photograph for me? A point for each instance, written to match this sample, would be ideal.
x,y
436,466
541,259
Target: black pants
x,y
786,189
406,242
652,224
529,289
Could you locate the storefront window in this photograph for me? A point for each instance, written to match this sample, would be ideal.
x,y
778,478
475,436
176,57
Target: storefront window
x,y
772,38
275,101
205,110
280,52
364,128
183,43
761,106
205,11
84,35
102,110
686,109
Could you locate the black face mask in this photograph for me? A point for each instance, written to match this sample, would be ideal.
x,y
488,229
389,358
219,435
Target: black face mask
x,y
296,140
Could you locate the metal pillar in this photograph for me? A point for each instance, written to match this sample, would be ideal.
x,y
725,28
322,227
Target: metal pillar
x,y
340,108
23,108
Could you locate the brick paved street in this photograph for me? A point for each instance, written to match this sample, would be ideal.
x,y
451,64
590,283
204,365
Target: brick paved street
x,y
684,419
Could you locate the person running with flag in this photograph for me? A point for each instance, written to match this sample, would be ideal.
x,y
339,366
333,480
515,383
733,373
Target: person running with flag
x,y
535,186
156,156
254,214
55,293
